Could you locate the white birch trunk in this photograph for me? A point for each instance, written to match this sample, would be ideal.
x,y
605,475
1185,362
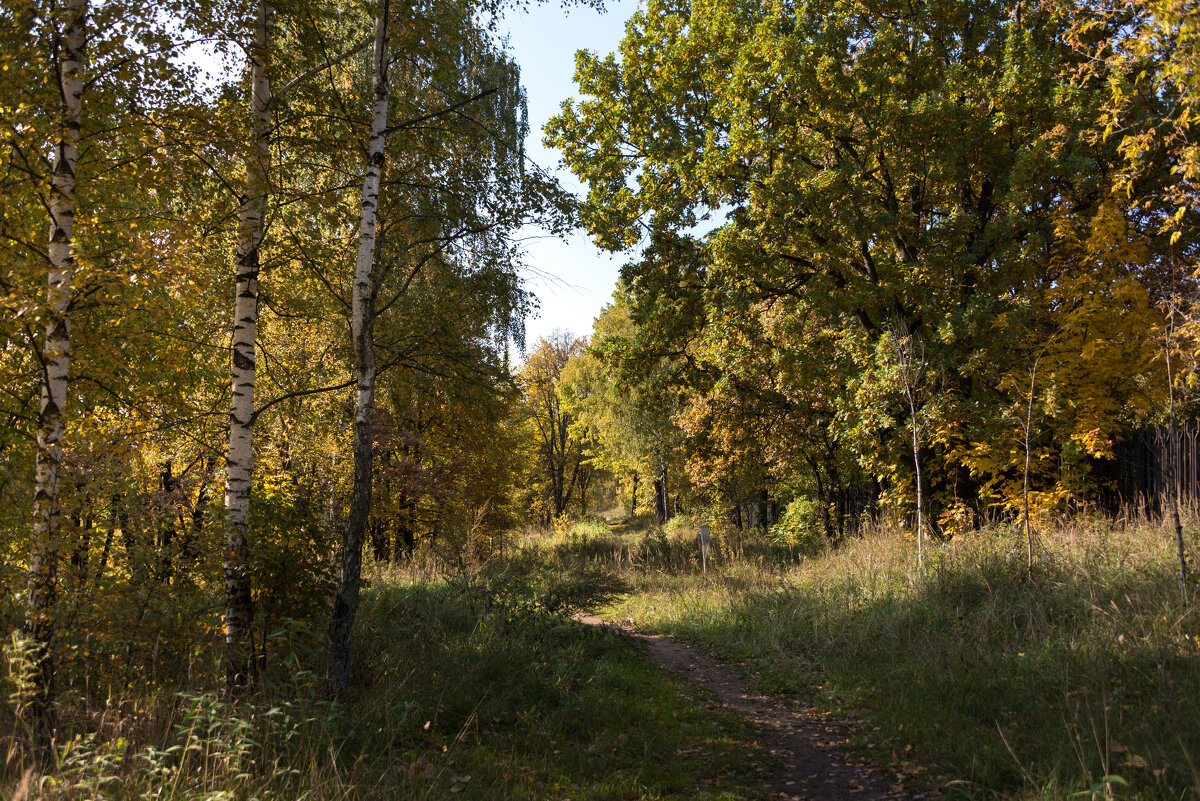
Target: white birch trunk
x,y
916,449
56,353
239,461
909,352
362,332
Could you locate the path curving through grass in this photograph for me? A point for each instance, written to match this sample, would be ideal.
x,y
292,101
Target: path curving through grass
x,y
807,747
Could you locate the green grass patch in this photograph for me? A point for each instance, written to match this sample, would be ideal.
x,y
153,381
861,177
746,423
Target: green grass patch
x,y
534,705
476,689
969,673
1003,682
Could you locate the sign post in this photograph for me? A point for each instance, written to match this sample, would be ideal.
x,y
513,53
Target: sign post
x,y
704,548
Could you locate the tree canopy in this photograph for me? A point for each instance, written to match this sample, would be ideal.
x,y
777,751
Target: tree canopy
x,y
805,185
262,321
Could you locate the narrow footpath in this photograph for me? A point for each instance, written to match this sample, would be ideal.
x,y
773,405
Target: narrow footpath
x,y
811,764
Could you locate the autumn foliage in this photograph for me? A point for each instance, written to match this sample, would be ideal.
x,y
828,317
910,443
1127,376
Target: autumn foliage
x,y
935,261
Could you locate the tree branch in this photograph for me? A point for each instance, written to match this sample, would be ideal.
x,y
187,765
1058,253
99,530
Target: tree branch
x,y
326,64
447,110
300,393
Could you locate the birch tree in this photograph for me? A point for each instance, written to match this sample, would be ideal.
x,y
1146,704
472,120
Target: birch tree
x,y
71,63
239,467
345,603
908,351
457,186
263,107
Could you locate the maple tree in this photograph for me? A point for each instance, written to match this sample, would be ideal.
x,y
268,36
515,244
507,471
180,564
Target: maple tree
x,y
1145,54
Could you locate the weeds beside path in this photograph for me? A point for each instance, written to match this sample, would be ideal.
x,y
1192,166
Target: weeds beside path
x,y
1080,680
810,762
1075,680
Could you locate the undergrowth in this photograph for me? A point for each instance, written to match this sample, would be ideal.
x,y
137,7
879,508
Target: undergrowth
x,y
971,674
467,685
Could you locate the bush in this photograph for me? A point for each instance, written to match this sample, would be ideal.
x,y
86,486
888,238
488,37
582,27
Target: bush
x,y
800,524
679,525
589,527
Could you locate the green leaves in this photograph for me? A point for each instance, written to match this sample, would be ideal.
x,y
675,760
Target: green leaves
x,y
915,166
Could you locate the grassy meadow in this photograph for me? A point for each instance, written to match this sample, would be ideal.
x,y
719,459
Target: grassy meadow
x,y
467,685
986,678
969,676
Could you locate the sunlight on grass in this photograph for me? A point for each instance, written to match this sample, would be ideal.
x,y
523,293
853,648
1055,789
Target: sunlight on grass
x,y
997,680
467,686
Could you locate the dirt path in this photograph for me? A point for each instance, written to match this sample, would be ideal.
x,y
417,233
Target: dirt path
x,y
810,762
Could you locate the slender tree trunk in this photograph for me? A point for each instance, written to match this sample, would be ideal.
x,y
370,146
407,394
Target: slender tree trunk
x,y
239,460
166,527
189,549
569,485
558,457
82,524
42,585
1028,431
633,497
661,496
916,449
666,491
128,537
406,537
381,539
108,537
1172,456
909,352
823,499
345,603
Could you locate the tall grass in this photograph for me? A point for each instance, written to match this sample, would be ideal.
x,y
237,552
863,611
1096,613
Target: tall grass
x,y
1039,685
467,684
472,681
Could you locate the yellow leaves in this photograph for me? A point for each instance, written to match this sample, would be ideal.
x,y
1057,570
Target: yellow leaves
x,y
1096,443
956,520
1110,237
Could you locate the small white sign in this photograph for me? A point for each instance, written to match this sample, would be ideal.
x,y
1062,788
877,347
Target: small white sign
x,y
704,535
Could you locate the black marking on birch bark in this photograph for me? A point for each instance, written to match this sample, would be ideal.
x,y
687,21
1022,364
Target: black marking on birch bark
x,y
242,362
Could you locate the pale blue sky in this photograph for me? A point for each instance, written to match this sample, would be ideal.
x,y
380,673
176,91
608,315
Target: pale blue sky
x,y
573,279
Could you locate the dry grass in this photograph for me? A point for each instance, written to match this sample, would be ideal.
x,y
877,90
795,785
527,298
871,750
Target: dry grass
x,y
972,671
471,681
1036,684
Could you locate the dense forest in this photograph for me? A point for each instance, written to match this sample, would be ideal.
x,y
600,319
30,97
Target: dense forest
x,y
929,265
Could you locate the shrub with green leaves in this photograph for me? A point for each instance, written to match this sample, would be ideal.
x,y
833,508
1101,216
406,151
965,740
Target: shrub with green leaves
x,y
800,524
